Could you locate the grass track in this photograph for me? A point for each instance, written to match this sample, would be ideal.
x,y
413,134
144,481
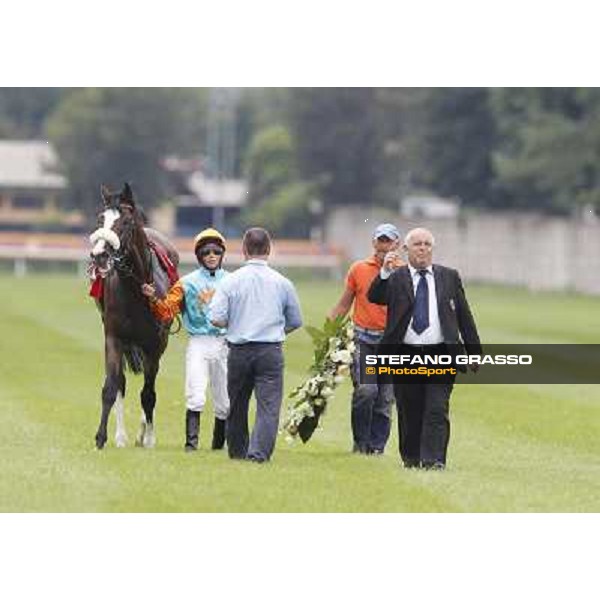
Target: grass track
x,y
513,448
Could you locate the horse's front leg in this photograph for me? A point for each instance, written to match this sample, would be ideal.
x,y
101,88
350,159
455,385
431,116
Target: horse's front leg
x,y
114,383
146,436
121,438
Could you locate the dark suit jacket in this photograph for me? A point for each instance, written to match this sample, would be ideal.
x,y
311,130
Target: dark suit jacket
x,y
397,293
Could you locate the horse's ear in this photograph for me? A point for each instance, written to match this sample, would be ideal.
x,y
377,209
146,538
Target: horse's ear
x,y
127,195
106,196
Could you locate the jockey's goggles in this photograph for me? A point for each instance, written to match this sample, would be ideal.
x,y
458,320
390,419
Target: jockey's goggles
x,y
207,250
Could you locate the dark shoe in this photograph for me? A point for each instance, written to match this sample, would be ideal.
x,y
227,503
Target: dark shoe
x,y
192,427
360,449
376,451
411,463
434,466
255,459
218,440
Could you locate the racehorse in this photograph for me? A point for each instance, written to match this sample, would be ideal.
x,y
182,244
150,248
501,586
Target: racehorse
x,y
122,259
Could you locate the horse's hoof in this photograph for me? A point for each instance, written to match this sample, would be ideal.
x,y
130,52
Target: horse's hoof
x,y
141,436
121,441
147,436
149,441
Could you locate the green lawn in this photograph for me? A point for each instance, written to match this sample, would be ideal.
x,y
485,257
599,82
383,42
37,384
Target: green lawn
x,y
513,448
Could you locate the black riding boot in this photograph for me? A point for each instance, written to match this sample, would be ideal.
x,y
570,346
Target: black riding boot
x,y
218,440
192,426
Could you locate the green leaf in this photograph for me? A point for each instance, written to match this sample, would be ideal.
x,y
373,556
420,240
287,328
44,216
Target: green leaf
x,y
316,334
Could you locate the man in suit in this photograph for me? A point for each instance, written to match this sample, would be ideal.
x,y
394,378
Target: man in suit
x,y
427,309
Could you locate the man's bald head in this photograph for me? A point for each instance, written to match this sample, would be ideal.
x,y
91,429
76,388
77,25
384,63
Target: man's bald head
x,y
419,244
417,231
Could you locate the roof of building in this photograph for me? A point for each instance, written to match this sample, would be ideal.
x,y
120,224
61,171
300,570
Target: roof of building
x,y
29,164
217,192
429,206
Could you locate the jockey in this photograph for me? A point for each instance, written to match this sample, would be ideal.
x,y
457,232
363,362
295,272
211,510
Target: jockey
x,y
206,355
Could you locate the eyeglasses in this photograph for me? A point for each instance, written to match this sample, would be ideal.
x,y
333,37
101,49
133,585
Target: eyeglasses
x,y
206,251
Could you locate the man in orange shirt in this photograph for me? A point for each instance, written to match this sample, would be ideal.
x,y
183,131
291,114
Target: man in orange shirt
x,y
371,403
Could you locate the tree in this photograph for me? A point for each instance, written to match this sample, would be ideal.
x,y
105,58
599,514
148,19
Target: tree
x,y
287,212
277,199
448,137
270,163
23,111
114,135
338,142
549,154
258,109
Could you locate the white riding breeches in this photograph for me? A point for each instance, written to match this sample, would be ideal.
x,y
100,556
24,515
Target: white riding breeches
x,y
206,360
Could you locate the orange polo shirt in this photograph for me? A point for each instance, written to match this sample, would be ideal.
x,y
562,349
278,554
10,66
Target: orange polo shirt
x,y
359,279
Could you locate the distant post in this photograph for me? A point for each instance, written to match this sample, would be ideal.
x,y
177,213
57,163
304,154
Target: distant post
x,y
20,266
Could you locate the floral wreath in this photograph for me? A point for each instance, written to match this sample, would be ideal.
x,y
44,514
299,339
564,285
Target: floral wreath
x,y
333,354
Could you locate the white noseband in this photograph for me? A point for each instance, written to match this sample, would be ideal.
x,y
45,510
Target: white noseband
x,y
102,236
105,234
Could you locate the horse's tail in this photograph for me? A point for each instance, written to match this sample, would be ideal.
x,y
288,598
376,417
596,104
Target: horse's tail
x,y
134,358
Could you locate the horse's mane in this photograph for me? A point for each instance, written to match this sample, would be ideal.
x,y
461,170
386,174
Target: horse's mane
x,y
134,242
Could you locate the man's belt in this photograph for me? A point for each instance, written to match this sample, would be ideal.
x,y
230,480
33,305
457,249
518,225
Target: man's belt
x,y
360,329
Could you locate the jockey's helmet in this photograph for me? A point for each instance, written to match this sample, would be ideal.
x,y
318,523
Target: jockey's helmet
x,y
213,240
209,235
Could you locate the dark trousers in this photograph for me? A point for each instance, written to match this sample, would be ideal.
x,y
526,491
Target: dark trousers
x,y
371,407
423,418
254,367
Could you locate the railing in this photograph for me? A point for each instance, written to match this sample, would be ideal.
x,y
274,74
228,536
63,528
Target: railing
x,y
25,250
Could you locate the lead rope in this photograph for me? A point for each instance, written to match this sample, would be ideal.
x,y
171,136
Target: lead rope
x,y
178,319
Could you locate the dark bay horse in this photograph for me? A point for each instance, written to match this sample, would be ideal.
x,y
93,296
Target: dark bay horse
x,y
122,260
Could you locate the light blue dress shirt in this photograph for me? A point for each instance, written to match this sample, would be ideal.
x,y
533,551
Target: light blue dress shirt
x,y
257,303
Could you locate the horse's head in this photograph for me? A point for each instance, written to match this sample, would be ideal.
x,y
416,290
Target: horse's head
x,y
119,237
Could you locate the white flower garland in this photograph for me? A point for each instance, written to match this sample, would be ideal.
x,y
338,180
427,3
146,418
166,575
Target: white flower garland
x,y
334,350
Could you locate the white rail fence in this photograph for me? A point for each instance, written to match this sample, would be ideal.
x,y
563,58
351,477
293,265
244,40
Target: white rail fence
x,y
23,258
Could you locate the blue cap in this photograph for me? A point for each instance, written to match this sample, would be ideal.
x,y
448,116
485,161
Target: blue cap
x,y
387,229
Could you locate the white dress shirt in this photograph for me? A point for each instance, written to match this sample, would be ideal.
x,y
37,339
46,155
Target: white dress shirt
x,y
433,334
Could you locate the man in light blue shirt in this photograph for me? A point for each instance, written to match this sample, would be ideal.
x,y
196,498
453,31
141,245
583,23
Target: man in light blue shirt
x,y
259,306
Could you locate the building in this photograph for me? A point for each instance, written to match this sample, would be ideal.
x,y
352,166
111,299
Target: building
x,y
31,188
199,201
429,207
